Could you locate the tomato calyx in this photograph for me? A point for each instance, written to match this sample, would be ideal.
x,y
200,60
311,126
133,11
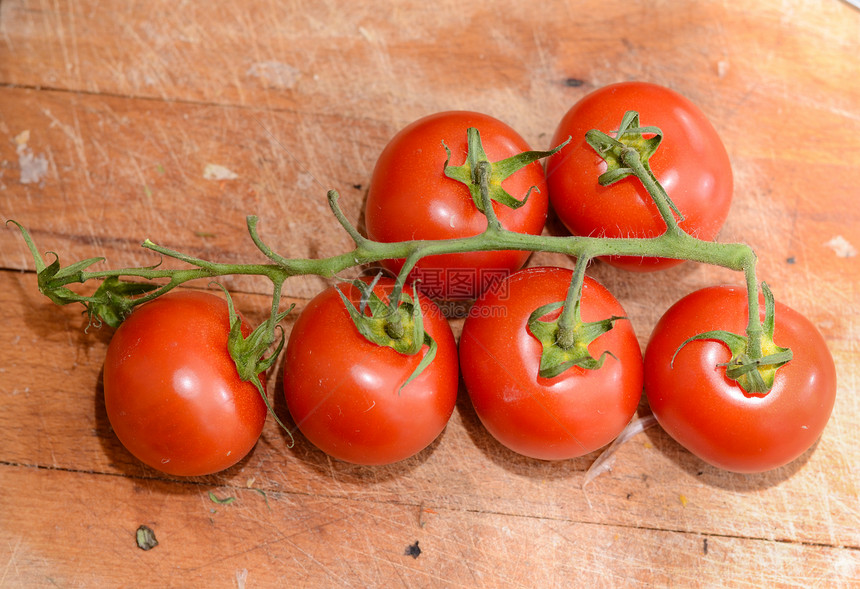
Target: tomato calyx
x,y
399,327
484,178
565,340
628,153
564,348
752,367
249,353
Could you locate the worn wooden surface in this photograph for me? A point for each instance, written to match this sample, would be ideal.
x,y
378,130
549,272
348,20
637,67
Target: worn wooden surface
x,y
110,113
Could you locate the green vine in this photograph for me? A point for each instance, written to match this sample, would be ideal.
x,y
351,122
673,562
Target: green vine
x,y
626,154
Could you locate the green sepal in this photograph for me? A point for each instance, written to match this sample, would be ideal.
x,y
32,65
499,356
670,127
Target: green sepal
x,y
113,301
425,361
557,356
737,344
249,353
52,278
476,159
629,136
755,375
377,326
52,273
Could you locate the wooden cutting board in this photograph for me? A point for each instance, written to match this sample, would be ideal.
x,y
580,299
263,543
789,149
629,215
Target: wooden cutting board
x,y
174,120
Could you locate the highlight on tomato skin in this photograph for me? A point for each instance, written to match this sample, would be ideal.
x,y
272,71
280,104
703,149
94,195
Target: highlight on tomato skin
x,y
411,198
711,415
346,394
691,163
172,393
556,418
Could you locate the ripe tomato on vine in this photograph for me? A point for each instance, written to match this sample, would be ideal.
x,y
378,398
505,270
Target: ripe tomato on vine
x,y
172,392
691,164
410,197
556,417
350,396
709,413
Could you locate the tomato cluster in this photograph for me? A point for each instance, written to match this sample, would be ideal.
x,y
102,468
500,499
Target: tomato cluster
x,y
176,402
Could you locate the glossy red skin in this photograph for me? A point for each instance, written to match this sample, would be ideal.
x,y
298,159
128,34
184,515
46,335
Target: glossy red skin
x,y
411,198
570,415
343,391
172,392
711,415
691,163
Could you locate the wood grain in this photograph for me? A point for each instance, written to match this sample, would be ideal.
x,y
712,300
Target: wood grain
x,y
110,113
311,541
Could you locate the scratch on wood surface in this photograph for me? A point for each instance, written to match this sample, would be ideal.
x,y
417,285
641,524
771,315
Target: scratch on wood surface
x,y
54,17
847,566
73,134
5,19
785,499
241,578
275,74
599,568
822,491
170,143
12,562
809,102
152,54
320,565
75,63
277,536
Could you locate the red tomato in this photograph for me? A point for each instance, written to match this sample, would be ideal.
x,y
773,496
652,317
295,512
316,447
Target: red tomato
x,y
411,198
172,392
691,164
344,392
710,414
569,415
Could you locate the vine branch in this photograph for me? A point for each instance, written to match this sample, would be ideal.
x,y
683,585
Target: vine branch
x,y
116,298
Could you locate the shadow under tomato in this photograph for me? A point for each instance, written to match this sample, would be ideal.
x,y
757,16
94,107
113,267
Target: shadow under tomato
x,y
717,477
144,476
513,461
345,472
51,322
